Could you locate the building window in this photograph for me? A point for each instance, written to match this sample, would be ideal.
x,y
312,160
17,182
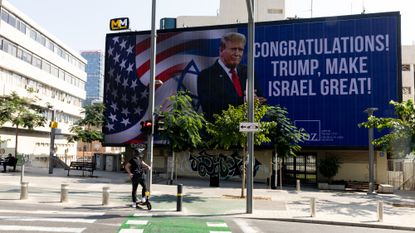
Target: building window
x,y
406,90
406,67
27,57
274,11
4,15
36,61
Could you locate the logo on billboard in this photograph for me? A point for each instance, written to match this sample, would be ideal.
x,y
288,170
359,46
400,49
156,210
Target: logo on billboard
x,y
119,24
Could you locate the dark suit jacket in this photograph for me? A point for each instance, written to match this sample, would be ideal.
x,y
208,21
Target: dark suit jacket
x,y
215,89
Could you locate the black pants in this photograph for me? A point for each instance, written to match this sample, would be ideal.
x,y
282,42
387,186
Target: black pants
x,y
136,182
5,164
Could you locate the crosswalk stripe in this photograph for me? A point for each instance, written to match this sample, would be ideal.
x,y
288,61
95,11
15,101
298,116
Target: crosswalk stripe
x,y
215,224
143,215
131,231
137,222
30,219
53,212
42,229
244,226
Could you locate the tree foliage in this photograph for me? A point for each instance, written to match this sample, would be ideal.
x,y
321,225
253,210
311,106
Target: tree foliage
x,y
88,129
182,123
329,167
400,139
20,112
225,133
284,134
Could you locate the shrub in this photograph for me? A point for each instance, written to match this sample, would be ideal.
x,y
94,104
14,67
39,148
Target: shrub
x,y
329,167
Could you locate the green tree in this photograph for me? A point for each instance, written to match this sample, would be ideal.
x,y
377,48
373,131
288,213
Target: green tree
x,y
182,124
225,133
329,167
285,136
88,129
400,139
20,112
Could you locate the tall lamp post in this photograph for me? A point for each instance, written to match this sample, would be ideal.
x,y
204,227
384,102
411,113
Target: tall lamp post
x,y
53,126
370,190
152,90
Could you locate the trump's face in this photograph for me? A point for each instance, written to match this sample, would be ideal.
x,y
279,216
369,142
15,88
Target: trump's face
x,y
232,54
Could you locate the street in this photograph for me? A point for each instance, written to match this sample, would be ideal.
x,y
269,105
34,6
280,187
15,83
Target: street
x,y
31,218
271,226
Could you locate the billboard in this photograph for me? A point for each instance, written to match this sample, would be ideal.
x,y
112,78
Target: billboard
x,y
325,71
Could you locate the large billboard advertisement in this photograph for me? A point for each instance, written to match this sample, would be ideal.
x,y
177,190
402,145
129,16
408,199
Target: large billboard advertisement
x,y
325,71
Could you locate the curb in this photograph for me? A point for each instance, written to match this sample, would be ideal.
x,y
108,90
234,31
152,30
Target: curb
x,y
338,223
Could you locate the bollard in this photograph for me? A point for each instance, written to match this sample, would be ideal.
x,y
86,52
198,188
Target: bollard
x,y
380,211
23,190
105,195
298,186
179,197
64,192
313,207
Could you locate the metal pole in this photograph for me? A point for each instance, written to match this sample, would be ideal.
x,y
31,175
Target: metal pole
x,y
251,32
370,190
105,195
313,207
52,142
24,190
380,211
179,197
151,92
64,192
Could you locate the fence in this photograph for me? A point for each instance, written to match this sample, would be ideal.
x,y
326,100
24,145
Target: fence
x,y
401,173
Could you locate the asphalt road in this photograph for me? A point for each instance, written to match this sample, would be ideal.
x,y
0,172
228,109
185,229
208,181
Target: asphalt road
x,y
271,226
20,217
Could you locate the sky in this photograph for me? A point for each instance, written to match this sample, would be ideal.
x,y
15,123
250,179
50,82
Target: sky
x,y
82,24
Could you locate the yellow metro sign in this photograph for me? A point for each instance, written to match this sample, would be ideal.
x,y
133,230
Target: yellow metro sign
x,y
119,24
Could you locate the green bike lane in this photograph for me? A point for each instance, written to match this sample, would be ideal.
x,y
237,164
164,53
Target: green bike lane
x,y
140,224
199,215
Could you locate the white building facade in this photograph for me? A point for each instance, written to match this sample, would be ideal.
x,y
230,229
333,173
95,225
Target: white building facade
x,y
408,72
30,57
235,11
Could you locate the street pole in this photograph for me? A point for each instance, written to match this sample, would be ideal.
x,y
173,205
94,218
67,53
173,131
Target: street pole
x,y
152,92
251,32
370,190
52,141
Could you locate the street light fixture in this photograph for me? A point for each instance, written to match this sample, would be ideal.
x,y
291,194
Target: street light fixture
x,y
370,190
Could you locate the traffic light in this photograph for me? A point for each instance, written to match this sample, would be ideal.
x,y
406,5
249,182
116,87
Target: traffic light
x,y
146,126
159,126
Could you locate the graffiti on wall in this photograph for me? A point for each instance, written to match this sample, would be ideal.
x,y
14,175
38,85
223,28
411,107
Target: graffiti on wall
x,y
225,166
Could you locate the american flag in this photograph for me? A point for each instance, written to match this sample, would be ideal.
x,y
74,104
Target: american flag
x,y
180,57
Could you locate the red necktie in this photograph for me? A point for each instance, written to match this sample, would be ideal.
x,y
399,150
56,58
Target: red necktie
x,y
236,82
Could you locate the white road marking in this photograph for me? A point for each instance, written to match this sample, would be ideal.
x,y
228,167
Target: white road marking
x,y
30,219
42,229
137,222
220,232
215,224
245,227
143,215
52,212
131,231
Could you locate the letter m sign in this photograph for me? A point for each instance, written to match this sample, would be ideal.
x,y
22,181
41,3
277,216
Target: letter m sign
x,y
119,24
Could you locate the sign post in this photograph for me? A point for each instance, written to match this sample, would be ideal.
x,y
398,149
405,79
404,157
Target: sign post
x,y
251,34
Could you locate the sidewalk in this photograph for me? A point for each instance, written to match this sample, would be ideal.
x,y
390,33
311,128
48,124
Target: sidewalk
x,y
340,208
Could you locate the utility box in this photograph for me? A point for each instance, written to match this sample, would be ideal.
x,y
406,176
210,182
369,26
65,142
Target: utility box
x,y
113,162
99,161
385,188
